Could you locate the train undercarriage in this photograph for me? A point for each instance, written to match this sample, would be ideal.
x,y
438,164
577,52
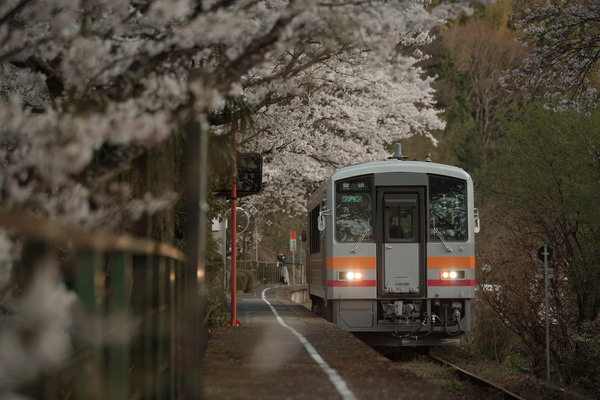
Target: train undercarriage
x,y
394,322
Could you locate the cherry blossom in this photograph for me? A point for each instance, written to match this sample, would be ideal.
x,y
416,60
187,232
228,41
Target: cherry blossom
x,y
562,64
328,82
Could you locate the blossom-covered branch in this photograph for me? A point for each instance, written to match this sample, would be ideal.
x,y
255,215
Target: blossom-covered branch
x,y
565,49
78,78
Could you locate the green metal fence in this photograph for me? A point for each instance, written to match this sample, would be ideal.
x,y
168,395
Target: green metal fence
x,y
133,335
269,273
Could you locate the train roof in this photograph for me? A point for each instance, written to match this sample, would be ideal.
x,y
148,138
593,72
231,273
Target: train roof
x,y
399,166
392,165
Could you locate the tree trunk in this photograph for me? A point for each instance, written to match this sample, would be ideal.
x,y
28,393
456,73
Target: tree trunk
x,y
154,172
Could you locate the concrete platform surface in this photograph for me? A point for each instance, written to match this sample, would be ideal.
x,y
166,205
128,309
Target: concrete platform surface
x,y
285,351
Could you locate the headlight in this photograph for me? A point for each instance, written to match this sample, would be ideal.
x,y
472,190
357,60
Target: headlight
x,y
350,276
354,275
448,275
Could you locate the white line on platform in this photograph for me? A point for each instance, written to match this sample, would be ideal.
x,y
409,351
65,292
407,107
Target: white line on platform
x,y
334,377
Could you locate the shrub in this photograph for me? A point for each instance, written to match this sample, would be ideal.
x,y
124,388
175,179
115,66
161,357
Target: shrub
x,y
251,280
245,280
241,280
216,299
585,362
491,338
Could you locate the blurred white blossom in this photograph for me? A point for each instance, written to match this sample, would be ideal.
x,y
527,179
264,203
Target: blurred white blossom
x,y
329,83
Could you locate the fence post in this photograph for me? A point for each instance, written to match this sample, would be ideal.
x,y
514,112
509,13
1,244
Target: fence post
x,y
149,329
161,332
173,330
90,381
118,347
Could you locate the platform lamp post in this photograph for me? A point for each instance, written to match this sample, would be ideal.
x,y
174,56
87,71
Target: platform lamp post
x,y
234,321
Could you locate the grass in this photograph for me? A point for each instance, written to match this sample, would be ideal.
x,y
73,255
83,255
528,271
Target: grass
x,y
437,374
446,379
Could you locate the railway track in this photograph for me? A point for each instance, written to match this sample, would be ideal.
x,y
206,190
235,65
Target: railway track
x,y
484,383
454,378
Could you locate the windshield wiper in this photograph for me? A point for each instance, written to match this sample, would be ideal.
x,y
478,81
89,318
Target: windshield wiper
x,y
365,233
437,232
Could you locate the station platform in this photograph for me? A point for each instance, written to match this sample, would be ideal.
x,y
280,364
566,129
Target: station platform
x,y
285,351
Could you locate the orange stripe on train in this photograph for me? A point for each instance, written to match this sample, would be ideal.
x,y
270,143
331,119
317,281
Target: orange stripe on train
x,y
351,263
451,262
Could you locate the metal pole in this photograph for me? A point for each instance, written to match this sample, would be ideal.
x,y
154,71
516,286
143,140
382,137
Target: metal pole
x,y
547,317
294,266
234,321
224,249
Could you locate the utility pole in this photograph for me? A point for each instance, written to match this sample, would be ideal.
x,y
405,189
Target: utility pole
x,y
547,316
545,254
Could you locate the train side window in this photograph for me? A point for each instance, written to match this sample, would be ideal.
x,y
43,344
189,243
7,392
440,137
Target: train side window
x,y
354,209
315,234
447,209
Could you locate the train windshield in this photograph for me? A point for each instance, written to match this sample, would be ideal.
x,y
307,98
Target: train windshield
x,y
447,209
354,209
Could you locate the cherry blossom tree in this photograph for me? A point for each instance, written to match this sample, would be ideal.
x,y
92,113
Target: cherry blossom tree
x,y
563,39
89,86
333,122
81,78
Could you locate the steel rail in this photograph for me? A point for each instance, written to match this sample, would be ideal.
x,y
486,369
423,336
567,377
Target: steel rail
x,y
474,378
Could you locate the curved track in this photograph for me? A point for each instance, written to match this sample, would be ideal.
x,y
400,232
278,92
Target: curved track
x,y
476,379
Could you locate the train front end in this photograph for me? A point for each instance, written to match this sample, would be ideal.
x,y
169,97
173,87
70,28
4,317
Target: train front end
x,y
391,254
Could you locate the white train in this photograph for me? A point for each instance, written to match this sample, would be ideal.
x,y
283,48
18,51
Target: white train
x,y
391,251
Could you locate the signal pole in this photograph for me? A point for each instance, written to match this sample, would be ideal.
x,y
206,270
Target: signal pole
x,y
547,317
545,254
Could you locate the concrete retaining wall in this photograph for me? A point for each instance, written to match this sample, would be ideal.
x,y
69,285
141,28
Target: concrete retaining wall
x,y
300,295
296,293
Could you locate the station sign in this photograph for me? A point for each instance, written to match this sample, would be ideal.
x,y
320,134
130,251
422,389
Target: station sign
x,y
545,255
292,241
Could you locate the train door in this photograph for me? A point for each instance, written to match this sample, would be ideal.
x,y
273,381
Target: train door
x,y
401,242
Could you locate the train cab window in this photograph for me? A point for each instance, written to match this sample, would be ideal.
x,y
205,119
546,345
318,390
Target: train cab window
x,y
447,209
400,217
354,209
